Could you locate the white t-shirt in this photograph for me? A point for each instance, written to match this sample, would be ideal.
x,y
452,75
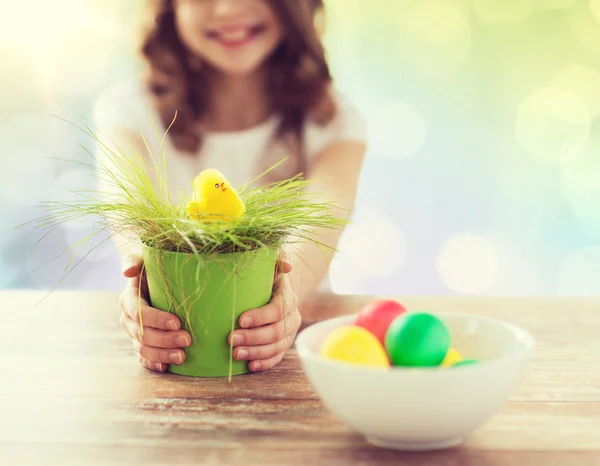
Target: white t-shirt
x,y
235,154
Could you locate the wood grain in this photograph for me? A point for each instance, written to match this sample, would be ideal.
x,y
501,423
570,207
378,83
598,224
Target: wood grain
x,y
72,392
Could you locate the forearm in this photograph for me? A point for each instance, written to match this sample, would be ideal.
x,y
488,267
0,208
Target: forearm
x,y
311,262
335,177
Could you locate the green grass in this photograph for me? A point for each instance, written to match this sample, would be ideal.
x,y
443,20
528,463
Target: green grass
x,y
128,202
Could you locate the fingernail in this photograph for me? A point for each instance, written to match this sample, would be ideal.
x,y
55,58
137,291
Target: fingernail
x,y
176,357
242,354
171,324
182,340
257,366
238,339
128,264
246,322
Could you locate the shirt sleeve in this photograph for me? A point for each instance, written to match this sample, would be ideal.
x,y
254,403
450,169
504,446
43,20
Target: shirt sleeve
x,y
121,115
118,124
123,106
348,125
119,110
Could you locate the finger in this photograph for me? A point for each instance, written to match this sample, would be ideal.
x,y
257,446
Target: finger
x,y
251,353
266,364
139,285
262,335
157,355
153,366
154,337
143,285
132,304
272,312
132,265
281,272
258,336
283,267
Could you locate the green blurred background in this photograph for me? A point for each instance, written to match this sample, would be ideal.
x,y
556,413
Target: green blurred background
x,y
483,171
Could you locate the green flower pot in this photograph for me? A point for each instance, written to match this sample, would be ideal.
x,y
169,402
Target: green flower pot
x,y
208,294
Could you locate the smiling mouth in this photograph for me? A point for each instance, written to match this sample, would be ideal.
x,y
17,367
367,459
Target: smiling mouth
x,y
235,36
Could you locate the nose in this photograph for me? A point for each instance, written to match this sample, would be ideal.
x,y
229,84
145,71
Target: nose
x,y
228,8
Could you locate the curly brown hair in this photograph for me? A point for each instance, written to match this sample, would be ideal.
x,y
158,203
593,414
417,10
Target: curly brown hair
x,y
299,78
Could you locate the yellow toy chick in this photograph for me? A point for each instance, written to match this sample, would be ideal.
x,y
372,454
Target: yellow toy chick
x,y
214,198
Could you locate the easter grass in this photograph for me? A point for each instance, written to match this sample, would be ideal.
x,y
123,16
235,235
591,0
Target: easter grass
x,y
133,204
129,203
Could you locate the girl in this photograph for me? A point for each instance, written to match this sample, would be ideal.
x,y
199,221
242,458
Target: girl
x,y
247,84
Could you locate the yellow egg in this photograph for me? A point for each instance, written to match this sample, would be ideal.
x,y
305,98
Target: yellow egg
x,y
355,345
452,357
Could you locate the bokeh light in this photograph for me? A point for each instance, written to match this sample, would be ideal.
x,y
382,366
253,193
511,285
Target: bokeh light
x,y
553,125
373,245
580,185
82,69
516,273
435,21
583,174
467,263
33,129
553,4
70,49
27,176
583,81
344,279
578,275
584,26
595,8
434,36
504,11
581,181
585,206
396,130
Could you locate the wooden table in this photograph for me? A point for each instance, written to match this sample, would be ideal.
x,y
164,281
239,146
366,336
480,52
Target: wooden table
x,y
72,392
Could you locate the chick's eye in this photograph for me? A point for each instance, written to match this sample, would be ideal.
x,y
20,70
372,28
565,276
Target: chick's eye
x,y
217,185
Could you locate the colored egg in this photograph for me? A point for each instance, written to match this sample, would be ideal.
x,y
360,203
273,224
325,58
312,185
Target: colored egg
x,y
417,339
377,316
356,345
466,362
452,358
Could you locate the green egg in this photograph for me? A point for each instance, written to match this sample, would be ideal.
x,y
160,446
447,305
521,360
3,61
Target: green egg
x,y
466,362
417,339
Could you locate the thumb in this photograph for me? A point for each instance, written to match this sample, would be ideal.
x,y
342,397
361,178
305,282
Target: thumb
x,y
283,267
132,265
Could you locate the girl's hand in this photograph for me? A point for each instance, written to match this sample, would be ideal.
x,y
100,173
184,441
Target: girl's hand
x,y
268,332
163,338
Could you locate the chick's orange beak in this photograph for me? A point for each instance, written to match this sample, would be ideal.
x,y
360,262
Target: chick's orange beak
x,y
223,188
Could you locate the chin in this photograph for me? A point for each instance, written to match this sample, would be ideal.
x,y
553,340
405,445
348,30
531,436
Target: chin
x,y
238,68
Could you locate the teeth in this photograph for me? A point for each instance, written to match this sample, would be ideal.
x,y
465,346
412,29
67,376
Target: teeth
x,y
237,35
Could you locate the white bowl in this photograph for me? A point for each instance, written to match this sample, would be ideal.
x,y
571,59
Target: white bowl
x,y
421,408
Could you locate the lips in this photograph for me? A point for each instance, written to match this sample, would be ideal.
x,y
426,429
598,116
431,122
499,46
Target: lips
x,y
235,36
